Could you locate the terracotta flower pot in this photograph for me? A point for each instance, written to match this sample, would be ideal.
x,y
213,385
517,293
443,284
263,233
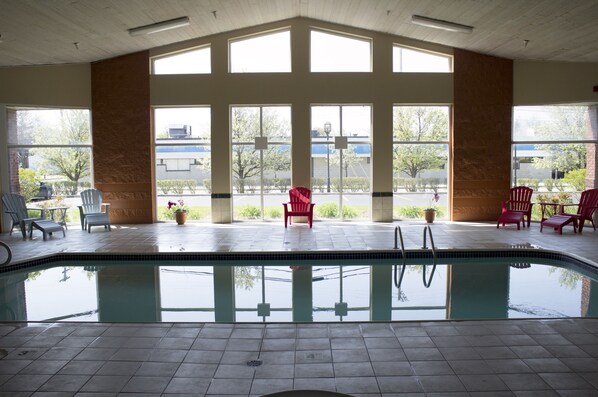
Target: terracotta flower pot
x,y
181,217
430,215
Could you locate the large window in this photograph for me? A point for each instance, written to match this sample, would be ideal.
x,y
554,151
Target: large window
x,y
420,160
333,52
261,160
196,61
50,155
340,161
182,145
265,53
552,147
410,60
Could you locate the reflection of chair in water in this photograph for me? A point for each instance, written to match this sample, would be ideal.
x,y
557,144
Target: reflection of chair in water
x,y
14,205
300,205
91,210
520,265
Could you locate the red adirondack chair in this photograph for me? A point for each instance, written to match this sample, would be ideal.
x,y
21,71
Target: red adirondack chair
x,y
520,201
299,205
588,203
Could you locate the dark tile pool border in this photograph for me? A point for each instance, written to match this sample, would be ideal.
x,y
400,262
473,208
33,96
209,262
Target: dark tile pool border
x,y
307,255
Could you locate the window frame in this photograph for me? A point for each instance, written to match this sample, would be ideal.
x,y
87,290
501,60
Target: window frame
x,y
346,35
156,143
258,35
16,145
450,58
181,52
447,143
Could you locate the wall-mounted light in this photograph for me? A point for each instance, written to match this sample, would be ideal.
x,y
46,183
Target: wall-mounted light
x,y
440,24
160,26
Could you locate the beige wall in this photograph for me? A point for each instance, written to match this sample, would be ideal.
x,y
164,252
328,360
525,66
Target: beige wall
x,y
55,85
541,83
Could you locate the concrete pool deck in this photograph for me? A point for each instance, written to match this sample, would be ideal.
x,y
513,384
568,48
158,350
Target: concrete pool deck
x,y
448,358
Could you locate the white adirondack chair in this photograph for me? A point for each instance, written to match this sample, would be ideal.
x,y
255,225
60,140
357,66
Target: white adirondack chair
x,y
91,212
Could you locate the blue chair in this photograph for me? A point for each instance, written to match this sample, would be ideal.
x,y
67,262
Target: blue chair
x,y
14,205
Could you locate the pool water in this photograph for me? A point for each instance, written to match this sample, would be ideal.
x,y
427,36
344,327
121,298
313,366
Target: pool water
x,y
279,291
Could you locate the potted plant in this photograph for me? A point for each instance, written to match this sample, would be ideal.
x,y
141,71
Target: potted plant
x,y
430,212
179,210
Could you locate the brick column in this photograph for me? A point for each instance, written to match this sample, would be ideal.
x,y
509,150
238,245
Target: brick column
x,y
122,148
482,112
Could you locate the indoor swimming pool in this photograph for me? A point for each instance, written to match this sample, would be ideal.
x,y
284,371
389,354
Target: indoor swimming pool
x,y
310,288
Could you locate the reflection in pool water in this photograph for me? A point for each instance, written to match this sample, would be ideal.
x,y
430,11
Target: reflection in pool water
x,y
311,291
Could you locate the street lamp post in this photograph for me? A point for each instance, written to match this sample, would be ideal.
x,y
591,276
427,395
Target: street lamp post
x,y
327,129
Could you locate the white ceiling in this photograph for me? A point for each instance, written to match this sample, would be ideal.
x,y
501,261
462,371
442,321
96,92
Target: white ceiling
x,y
35,32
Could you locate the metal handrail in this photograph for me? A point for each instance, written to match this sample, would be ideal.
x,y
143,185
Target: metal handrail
x,y
9,253
399,234
429,229
429,282
398,279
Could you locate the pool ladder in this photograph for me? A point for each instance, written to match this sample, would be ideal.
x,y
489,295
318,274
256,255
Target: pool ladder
x,y
399,237
8,253
398,277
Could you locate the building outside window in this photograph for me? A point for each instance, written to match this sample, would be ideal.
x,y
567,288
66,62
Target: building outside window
x,y
183,161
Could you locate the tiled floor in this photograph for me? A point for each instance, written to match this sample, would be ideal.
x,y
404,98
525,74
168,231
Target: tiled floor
x,y
466,358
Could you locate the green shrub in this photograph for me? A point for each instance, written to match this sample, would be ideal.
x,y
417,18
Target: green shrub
x,y
273,212
349,212
164,186
416,211
249,212
549,184
576,179
434,184
410,185
64,188
318,184
529,182
191,184
207,184
560,185
410,211
28,183
327,210
356,184
193,213
176,186
559,198
199,213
